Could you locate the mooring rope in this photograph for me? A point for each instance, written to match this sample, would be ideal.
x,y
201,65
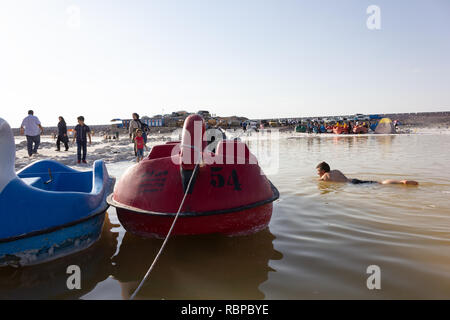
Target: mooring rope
x,y
167,237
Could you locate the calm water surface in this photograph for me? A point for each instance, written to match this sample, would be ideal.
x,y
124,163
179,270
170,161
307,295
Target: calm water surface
x,y
321,239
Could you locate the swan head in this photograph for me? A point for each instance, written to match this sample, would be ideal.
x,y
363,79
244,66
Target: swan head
x,y
7,154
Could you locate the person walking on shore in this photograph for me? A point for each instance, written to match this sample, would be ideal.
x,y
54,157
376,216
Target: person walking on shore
x,y
62,135
82,131
31,127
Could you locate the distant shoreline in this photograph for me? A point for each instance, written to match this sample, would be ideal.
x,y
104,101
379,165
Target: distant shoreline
x,y
415,120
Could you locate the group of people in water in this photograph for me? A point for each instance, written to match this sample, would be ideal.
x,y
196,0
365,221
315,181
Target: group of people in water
x,y
335,127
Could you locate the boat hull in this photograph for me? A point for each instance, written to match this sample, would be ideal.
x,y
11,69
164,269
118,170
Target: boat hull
x,y
243,222
51,245
360,130
340,130
227,193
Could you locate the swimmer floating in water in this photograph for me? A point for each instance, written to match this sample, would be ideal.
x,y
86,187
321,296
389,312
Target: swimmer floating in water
x,y
323,170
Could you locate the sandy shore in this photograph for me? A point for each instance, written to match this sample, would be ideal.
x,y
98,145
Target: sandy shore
x,y
108,150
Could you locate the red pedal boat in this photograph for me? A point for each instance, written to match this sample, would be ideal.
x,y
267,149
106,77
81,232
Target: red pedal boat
x,y
228,194
340,130
360,130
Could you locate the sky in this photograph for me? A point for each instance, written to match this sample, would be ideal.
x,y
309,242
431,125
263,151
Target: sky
x,y
105,59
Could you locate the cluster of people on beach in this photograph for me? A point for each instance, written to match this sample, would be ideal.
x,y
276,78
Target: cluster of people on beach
x,y
31,127
138,135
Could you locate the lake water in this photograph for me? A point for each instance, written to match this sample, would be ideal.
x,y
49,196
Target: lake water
x,y
321,239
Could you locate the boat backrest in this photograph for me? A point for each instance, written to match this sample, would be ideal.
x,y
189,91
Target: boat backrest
x,y
7,155
235,151
161,151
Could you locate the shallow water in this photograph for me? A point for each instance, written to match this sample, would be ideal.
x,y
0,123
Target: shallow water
x,y
321,239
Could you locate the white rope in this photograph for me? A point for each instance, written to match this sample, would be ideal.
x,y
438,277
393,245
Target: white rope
x,y
167,237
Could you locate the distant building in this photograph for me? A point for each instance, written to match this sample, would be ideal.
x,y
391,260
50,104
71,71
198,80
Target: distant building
x,y
154,122
151,122
205,114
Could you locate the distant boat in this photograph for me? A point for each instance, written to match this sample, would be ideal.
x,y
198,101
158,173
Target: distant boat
x,y
360,129
340,130
300,128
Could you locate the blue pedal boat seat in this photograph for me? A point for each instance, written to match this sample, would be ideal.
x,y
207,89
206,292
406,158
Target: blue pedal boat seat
x,y
48,210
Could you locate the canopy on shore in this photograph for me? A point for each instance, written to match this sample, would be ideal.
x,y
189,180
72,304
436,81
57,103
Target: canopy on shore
x,y
385,126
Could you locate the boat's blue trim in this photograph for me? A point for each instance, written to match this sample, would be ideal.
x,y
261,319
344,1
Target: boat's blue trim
x,y
49,246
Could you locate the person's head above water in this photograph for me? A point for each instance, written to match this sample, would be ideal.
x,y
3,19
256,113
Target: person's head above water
x,y
323,168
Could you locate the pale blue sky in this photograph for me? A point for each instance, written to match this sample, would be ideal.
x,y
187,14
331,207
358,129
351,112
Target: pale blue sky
x,y
256,58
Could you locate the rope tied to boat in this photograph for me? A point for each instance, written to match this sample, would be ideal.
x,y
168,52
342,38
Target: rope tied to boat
x,y
167,236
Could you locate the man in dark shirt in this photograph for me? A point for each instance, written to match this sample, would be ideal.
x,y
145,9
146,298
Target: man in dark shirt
x,y
82,131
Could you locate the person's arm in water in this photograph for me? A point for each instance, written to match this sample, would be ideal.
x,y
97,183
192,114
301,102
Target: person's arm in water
x,y
325,177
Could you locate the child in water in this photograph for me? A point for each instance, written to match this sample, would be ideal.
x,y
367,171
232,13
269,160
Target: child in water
x,y
140,144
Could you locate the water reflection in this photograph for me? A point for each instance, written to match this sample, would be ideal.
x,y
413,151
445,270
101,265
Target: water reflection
x,y
385,140
48,280
329,187
198,267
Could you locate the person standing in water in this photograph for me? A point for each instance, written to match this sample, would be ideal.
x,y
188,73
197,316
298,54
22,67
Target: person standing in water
x,y
325,174
62,135
31,127
82,131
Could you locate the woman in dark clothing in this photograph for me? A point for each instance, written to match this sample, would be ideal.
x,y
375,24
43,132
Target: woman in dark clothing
x,y
62,134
